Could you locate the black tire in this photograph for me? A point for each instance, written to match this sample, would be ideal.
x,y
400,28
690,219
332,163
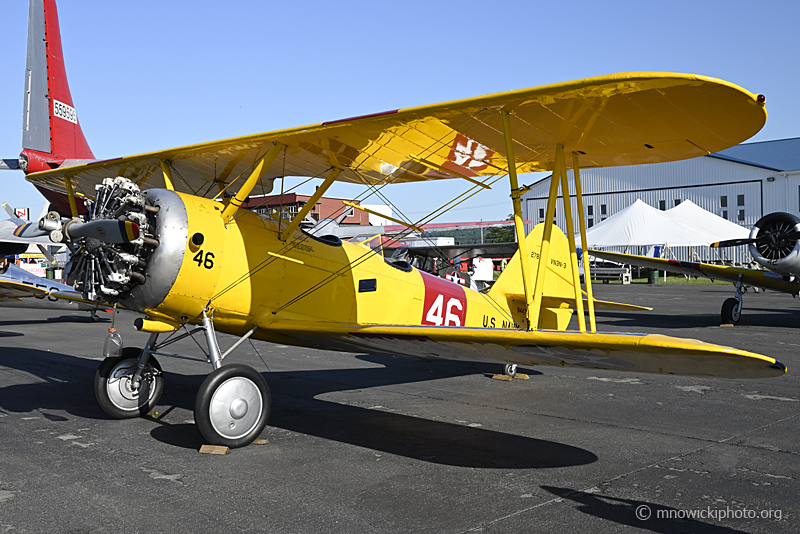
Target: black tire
x,y
510,369
232,406
112,380
731,312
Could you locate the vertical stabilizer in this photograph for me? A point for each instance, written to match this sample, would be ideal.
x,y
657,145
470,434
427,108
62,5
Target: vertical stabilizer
x,y
51,132
558,294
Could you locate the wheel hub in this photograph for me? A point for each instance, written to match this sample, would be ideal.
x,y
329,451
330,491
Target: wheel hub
x,y
120,387
235,407
238,408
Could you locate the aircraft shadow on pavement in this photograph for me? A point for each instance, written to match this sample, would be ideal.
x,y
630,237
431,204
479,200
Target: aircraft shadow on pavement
x,y
756,317
82,318
649,320
66,384
640,514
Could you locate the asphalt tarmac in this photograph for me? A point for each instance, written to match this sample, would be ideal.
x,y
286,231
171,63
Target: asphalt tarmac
x,y
361,443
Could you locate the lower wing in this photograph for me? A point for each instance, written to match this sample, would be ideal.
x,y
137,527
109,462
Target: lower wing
x,y
624,352
751,277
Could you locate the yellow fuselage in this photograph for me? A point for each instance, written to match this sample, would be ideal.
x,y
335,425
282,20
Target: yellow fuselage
x,y
249,277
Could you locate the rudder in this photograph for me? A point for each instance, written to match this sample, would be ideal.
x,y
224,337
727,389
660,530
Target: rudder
x,y
51,133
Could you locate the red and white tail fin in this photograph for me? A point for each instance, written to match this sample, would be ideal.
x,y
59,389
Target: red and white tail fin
x,y
51,133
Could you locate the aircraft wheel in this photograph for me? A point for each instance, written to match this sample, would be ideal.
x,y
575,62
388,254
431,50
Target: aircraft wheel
x,y
112,385
730,311
510,369
232,406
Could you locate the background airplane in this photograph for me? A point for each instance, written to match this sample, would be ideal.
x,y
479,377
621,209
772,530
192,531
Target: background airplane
x,y
774,243
22,289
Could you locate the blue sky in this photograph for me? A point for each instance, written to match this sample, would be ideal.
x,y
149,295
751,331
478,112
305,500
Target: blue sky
x,y
149,75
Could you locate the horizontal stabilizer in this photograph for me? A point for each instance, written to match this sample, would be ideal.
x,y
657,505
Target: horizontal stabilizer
x,y
615,306
9,164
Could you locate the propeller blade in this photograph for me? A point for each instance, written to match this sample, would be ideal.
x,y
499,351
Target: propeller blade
x,y
105,230
788,236
733,243
50,258
792,236
9,210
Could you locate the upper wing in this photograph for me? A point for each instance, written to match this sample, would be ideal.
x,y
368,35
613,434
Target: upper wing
x,y
752,277
619,119
624,352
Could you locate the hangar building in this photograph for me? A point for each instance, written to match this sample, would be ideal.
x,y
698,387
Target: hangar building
x,y
740,184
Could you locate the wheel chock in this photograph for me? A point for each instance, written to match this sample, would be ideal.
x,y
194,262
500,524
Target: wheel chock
x,y
506,378
214,449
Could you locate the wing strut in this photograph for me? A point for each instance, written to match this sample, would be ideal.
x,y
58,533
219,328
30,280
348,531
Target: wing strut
x,y
573,253
585,252
169,183
518,224
73,206
544,252
398,221
252,180
310,204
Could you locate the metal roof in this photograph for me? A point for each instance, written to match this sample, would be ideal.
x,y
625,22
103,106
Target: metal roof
x,y
778,155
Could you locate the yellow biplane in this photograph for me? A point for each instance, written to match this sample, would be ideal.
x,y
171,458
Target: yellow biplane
x,y
162,234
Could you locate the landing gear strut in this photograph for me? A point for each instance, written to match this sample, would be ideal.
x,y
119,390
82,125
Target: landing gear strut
x,y
231,408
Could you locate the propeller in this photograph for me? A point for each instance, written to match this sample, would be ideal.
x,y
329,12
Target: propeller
x,y
776,237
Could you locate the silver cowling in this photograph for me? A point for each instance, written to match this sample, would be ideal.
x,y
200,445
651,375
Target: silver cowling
x,y
137,273
774,248
172,232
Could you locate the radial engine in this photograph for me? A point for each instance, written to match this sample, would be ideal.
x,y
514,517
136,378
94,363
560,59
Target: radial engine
x,y
776,243
112,247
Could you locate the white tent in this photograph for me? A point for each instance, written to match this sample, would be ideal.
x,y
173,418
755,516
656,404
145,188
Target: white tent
x,y
685,225
704,223
641,225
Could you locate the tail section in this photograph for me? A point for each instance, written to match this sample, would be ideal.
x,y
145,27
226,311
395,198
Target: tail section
x,y
558,298
51,133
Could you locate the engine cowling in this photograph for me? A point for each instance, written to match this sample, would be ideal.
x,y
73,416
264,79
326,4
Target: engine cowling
x,y
773,249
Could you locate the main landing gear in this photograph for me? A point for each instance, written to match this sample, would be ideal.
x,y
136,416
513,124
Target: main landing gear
x,y
232,405
732,307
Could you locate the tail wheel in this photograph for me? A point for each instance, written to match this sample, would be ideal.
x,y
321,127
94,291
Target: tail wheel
x,y
114,390
510,369
731,312
232,406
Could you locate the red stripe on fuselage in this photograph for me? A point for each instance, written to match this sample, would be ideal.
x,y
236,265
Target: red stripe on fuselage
x,y
445,302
